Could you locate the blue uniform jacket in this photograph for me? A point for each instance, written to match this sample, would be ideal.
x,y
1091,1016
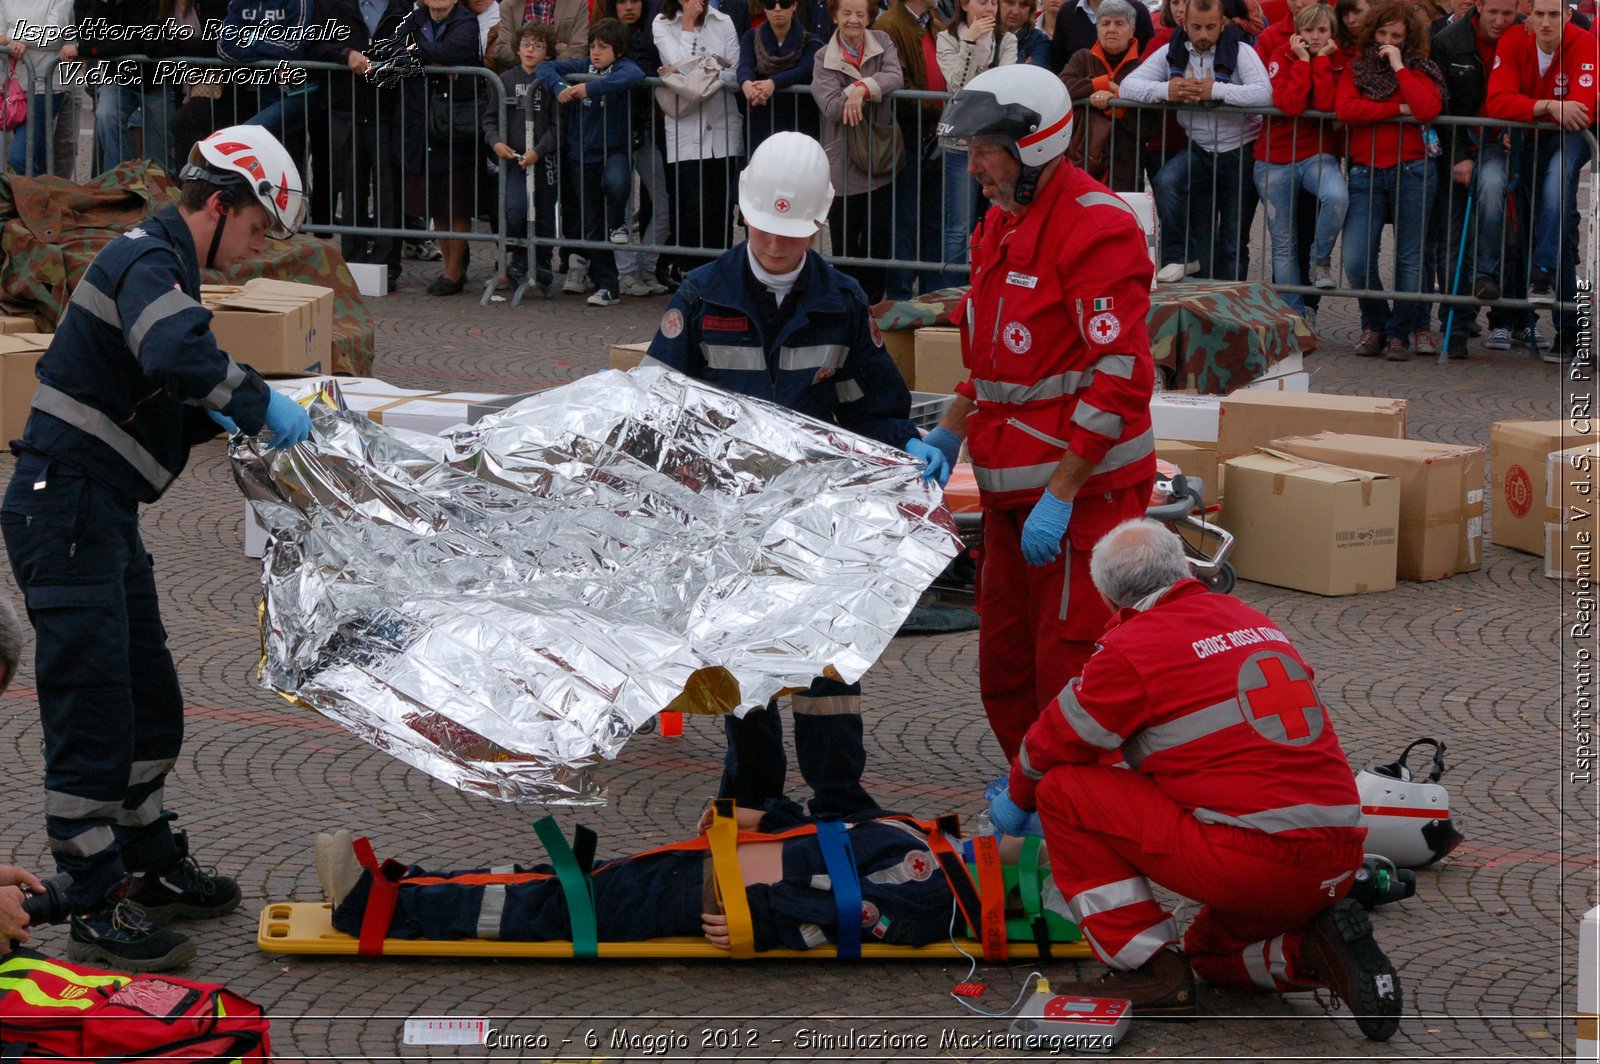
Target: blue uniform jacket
x,y
826,361
125,384
602,120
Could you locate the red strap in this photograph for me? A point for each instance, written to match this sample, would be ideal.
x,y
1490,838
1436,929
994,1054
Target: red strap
x,y
381,896
992,890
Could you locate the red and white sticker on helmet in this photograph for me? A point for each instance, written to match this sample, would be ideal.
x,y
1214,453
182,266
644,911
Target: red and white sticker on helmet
x,y
877,334
781,205
672,324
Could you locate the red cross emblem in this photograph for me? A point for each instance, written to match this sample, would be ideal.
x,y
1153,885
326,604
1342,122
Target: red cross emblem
x,y
781,206
918,866
1289,703
1104,328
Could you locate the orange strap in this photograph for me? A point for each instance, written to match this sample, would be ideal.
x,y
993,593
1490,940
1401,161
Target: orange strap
x,y
992,891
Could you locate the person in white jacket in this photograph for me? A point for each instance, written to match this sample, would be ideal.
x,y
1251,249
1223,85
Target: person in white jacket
x,y
971,44
703,138
47,142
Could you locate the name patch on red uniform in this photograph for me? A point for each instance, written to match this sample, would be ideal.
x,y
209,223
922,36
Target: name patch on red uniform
x,y
713,323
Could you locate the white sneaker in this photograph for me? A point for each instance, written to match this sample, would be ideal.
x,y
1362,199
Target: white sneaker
x,y
604,298
633,286
428,251
619,235
652,282
1499,340
1322,275
577,281
1174,272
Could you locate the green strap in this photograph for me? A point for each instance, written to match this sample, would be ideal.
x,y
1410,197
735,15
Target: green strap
x,y
1031,889
575,887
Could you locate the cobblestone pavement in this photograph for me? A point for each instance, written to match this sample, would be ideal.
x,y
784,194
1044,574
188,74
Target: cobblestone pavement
x,y
1487,949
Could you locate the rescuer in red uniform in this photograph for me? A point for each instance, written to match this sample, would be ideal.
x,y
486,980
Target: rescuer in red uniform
x,y
1235,793
1057,411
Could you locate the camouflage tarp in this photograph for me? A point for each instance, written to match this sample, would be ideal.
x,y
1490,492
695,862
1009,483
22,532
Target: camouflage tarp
x,y
50,230
1212,336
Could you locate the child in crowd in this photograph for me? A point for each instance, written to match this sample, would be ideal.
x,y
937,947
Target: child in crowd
x,y
535,156
1294,153
599,124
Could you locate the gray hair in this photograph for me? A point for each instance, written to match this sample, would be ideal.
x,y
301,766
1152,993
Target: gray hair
x,y
10,643
1138,558
1117,9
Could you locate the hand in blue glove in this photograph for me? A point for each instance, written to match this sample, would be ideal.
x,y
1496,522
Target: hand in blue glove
x,y
1007,816
1042,532
934,466
223,421
288,420
947,442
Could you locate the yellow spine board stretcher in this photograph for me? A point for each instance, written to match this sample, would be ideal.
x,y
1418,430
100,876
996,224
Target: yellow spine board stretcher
x,y
306,928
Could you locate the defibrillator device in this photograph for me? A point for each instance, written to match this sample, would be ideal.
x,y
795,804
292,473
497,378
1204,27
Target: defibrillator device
x,y
1408,819
1057,1022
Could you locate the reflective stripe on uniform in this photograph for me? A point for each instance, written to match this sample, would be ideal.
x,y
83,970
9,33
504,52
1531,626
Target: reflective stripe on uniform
x,y
1119,366
95,423
900,872
222,394
1287,818
145,813
1100,422
1014,478
812,356
1185,729
493,905
164,306
145,771
1087,728
1128,452
825,705
1104,199
734,358
1146,944
813,936
97,303
1016,394
1255,965
97,839
1025,765
76,807
848,391
1123,892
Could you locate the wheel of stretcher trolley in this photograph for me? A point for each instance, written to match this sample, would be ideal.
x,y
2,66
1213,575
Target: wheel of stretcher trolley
x,y
1223,580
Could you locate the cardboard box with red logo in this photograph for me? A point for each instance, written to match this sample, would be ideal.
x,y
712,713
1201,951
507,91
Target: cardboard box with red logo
x,y
1518,483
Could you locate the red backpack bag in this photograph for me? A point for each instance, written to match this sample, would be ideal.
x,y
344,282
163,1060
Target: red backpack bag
x,y
55,1011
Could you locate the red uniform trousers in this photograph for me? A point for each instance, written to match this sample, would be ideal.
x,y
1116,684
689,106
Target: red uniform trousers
x,y
1110,828
1039,623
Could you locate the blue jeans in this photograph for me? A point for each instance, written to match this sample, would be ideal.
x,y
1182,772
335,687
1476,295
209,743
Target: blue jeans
x,y
918,223
34,136
606,185
1553,163
114,106
1199,192
963,207
1279,185
1398,195
1490,251
544,214
827,745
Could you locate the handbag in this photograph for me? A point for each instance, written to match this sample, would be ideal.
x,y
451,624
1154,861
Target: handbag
x,y
453,115
871,150
14,110
687,85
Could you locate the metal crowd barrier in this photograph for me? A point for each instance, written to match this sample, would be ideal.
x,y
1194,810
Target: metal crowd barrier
x,y
47,139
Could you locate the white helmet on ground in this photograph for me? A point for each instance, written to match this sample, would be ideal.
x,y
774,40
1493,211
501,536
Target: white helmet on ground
x,y
1408,819
1025,108
251,157
786,190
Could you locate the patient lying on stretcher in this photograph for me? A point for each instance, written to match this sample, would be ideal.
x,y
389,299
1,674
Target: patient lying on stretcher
x,y
671,892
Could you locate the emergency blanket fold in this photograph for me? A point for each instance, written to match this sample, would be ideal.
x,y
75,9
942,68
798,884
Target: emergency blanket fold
x,y
502,606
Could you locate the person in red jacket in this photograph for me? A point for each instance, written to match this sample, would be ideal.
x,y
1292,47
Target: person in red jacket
x,y
1302,154
1392,179
1546,73
1235,792
1056,412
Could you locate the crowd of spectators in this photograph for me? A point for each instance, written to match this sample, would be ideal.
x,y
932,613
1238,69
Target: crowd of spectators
x,y
1358,137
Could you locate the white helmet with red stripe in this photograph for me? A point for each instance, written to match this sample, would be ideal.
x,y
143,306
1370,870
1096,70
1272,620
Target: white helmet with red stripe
x,y
1408,820
1025,108
250,156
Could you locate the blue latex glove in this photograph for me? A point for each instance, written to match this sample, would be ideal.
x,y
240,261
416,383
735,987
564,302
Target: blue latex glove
x,y
223,421
288,420
1007,816
1042,532
946,441
934,466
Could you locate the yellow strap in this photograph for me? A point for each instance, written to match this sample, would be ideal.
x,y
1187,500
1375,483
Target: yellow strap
x,y
24,963
724,838
33,994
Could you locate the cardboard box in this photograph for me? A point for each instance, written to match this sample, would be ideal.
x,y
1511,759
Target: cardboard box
x,y
627,356
273,326
1254,418
19,354
1181,416
902,347
1195,460
1570,530
1298,381
1517,486
431,414
1441,495
16,323
1312,527
939,366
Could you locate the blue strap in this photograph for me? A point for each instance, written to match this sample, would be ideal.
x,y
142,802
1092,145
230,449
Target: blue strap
x,y
834,839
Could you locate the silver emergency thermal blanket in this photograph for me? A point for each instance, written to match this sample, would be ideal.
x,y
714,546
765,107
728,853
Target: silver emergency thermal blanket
x,y
501,606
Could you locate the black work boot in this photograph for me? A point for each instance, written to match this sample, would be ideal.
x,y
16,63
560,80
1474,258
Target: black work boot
x,y
119,936
184,889
1339,951
1161,986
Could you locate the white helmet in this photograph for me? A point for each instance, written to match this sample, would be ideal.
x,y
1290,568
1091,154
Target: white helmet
x,y
1025,108
785,190
251,157
1407,821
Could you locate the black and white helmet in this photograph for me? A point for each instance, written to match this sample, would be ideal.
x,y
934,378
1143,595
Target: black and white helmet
x,y
1025,108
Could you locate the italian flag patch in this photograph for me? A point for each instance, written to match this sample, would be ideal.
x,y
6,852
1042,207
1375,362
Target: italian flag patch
x,y
1103,303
